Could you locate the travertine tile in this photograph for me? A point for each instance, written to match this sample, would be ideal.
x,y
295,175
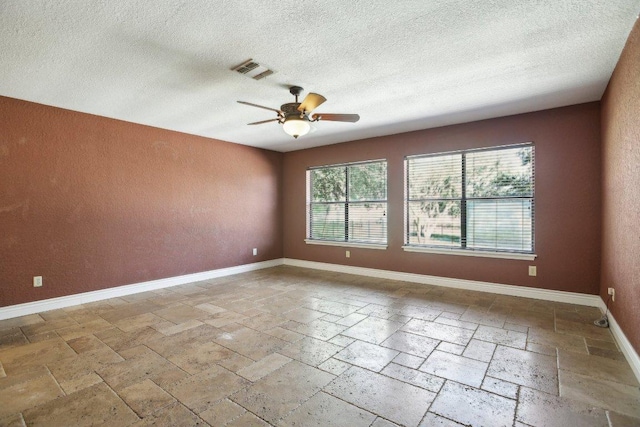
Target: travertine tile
x,y
530,318
324,410
372,330
145,397
319,328
248,420
583,329
351,319
119,341
500,387
597,367
83,329
199,391
451,348
210,308
49,325
13,339
263,367
80,382
525,368
200,357
130,309
235,362
445,320
556,340
439,332
250,343
484,316
263,321
136,322
617,397
516,327
381,422
542,409
379,394
331,307
311,351
174,415
456,368
408,360
334,366
268,398
168,328
367,355
422,313
14,420
177,343
181,313
412,376
341,340
470,406
140,367
222,412
303,315
18,322
420,336
479,350
433,420
619,420
23,391
25,357
413,344
284,334
501,336
91,406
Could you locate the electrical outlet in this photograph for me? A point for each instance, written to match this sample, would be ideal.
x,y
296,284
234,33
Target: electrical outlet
x,y
348,254
255,251
533,270
612,292
37,281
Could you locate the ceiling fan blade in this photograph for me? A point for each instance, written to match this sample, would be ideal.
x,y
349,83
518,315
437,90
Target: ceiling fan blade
x,y
260,106
352,118
263,121
311,102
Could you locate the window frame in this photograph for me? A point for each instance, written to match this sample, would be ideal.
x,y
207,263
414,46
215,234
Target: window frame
x,y
462,249
346,242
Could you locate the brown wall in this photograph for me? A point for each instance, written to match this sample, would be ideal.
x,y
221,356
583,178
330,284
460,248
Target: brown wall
x,y
621,189
567,231
91,203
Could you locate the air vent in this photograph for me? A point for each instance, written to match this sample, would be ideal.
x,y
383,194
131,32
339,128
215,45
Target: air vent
x,y
253,69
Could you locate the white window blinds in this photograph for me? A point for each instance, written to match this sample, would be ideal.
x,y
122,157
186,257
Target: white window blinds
x,y
348,203
476,200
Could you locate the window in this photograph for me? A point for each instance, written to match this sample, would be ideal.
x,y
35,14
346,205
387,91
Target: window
x,y
347,203
477,200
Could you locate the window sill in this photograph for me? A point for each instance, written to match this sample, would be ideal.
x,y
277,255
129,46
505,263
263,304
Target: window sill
x,y
465,252
346,244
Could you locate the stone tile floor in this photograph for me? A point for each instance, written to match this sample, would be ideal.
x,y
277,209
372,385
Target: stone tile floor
x,y
295,347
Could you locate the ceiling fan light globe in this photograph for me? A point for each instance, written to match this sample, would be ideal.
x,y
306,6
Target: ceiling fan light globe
x,y
295,126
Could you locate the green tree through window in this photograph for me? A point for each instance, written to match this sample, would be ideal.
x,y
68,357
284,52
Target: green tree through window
x,y
479,199
348,203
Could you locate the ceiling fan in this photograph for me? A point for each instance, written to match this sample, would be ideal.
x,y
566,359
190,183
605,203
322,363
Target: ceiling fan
x,y
294,116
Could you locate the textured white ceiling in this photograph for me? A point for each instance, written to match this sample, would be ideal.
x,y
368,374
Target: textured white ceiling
x,y
403,65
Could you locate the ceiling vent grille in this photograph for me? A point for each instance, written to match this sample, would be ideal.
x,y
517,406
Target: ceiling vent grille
x,y
252,69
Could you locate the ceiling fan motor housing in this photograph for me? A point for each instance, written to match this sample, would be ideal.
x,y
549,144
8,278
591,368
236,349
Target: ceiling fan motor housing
x,y
291,108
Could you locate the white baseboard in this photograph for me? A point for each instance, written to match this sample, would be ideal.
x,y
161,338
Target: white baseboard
x,y
495,288
120,291
625,346
520,291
